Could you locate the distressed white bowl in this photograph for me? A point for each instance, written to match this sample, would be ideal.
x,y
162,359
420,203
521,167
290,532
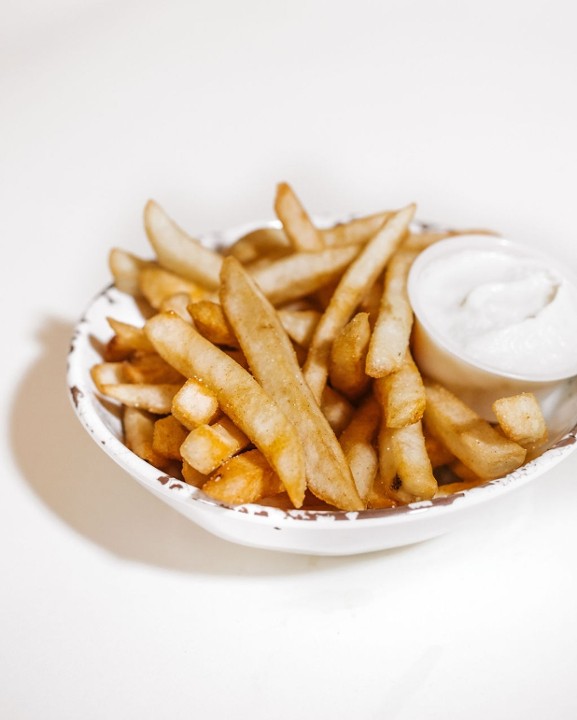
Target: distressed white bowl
x,y
296,531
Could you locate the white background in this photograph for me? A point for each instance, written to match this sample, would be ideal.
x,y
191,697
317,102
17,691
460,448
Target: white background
x,y
114,606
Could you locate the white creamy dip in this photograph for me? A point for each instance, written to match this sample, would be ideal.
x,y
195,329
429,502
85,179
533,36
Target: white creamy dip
x,y
501,308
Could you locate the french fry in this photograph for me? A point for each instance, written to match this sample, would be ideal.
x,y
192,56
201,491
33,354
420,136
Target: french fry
x,y
238,394
194,404
177,303
168,436
520,418
130,336
470,438
402,395
411,463
125,268
360,274
208,446
151,369
156,399
157,285
272,359
438,454
107,373
299,324
298,227
387,483
357,444
348,355
138,433
268,242
243,479
301,274
336,408
178,252
392,331
356,231
192,476
210,321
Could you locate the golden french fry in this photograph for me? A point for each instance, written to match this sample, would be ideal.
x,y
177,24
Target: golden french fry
x,y
406,468
243,479
402,395
356,231
301,274
348,355
296,223
210,321
268,242
208,446
157,285
336,408
194,404
470,438
138,428
168,436
387,482
438,454
272,359
238,394
360,274
177,303
107,373
149,368
299,324
178,252
192,476
130,336
357,444
156,399
521,419
392,331
125,268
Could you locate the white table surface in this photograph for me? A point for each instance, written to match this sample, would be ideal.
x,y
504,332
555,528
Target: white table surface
x,y
112,604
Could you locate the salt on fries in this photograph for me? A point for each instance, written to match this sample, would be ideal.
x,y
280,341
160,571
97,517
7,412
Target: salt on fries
x,y
280,370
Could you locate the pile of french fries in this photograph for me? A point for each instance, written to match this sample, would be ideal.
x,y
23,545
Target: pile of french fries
x,y
279,371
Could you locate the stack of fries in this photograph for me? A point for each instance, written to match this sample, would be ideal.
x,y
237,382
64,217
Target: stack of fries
x,y
280,371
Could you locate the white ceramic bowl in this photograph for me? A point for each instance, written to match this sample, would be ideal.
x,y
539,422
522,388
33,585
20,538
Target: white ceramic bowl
x,y
297,531
443,359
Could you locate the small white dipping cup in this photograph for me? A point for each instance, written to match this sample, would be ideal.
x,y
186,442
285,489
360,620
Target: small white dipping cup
x,y
475,383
